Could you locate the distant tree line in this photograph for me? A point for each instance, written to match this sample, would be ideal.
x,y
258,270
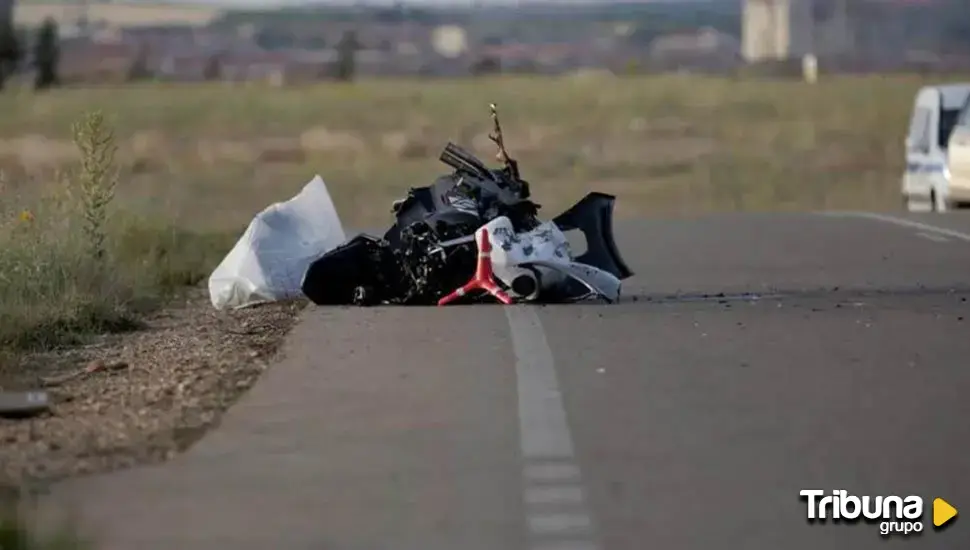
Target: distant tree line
x,y
501,24
946,22
45,53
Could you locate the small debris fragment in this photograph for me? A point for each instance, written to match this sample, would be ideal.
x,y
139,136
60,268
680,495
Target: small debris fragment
x,y
23,404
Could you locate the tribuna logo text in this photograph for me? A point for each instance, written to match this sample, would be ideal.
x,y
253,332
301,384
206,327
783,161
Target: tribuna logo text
x,y
895,514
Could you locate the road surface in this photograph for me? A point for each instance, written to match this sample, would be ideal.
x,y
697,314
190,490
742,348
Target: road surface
x,y
752,357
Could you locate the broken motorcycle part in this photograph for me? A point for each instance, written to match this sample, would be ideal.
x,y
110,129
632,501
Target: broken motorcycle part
x,y
431,249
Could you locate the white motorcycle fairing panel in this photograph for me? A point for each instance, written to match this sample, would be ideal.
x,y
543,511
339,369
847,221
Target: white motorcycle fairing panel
x,y
544,256
598,283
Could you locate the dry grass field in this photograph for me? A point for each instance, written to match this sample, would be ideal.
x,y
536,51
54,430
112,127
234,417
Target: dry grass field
x,y
196,162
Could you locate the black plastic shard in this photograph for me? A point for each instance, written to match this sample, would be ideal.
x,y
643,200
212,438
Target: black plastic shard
x,y
593,216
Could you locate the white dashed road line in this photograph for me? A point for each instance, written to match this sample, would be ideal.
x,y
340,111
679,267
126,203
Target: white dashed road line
x,y
556,512
551,471
557,494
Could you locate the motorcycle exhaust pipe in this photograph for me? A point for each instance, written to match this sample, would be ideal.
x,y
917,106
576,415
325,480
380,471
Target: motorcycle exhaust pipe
x,y
526,285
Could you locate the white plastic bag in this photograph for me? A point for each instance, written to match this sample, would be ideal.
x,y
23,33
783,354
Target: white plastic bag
x,y
269,260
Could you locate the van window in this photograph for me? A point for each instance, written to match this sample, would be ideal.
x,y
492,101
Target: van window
x,y
948,121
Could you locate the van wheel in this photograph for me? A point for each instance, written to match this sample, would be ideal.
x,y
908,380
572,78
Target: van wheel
x,y
937,203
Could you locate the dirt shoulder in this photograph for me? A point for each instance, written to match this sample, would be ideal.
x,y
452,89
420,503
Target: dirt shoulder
x,y
138,397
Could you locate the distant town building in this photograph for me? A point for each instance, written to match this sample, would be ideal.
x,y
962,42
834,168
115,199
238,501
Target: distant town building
x,y
705,48
449,40
790,29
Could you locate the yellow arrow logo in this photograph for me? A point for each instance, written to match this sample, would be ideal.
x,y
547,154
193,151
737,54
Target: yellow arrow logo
x,y
943,512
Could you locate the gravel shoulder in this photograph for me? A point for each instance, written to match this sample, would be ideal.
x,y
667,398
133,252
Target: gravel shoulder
x,y
139,397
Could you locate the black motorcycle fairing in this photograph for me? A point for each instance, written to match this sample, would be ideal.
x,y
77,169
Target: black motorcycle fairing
x,y
593,216
362,270
460,198
419,204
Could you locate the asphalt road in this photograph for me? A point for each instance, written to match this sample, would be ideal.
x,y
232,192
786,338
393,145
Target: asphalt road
x,y
752,357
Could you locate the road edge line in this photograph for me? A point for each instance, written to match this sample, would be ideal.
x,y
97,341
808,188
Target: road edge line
x,y
900,222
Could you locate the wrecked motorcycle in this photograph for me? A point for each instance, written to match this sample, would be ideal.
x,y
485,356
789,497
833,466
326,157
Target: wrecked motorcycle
x,y
440,231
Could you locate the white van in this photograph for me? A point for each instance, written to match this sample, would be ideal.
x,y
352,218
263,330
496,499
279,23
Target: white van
x,y
926,183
